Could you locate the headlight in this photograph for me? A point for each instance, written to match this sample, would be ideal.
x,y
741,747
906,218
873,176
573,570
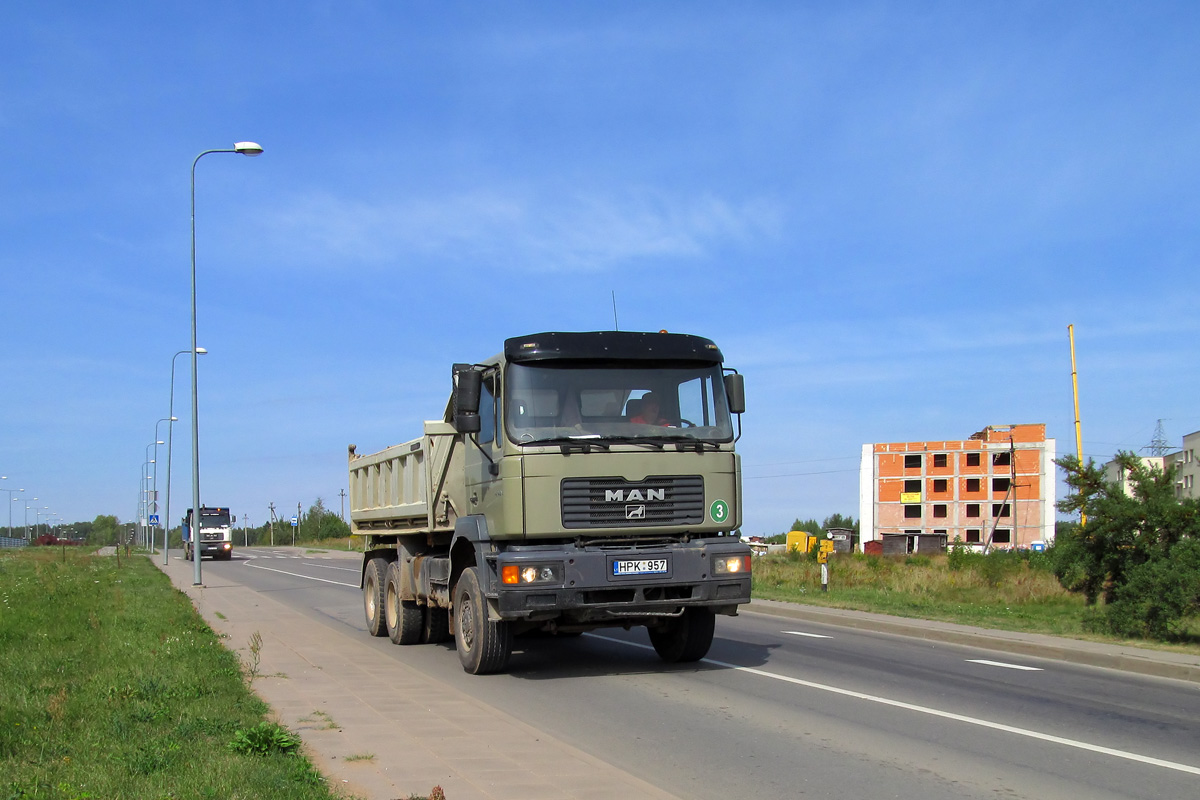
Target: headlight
x,y
514,574
731,565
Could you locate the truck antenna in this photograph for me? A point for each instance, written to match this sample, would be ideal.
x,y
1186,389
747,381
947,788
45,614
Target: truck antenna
x,y
616,327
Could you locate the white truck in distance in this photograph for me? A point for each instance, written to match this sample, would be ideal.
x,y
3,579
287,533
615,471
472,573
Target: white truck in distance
x,y
216,533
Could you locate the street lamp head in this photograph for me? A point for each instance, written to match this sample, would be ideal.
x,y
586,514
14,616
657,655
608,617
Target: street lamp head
x,y
248,148
173,419
200,351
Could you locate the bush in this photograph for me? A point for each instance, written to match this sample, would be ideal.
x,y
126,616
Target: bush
x,y
1158,596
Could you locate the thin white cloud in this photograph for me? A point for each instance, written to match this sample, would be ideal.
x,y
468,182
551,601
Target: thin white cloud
x,y
539,233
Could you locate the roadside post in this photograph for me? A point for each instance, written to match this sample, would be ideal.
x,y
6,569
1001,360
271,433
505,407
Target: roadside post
x,y
824,549
295,524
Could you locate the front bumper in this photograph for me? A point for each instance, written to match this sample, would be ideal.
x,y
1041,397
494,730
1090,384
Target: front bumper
x,y
590,592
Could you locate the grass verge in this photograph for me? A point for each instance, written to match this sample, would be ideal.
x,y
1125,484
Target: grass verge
x,y
111,686
1000,591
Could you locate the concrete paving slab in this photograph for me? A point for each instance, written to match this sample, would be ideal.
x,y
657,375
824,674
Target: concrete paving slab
x,y
345,698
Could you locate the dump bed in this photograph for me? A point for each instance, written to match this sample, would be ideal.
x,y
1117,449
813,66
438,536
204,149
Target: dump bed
x,y
404,489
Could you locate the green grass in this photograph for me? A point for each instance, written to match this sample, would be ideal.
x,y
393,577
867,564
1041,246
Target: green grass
x,y
112,687
1002,591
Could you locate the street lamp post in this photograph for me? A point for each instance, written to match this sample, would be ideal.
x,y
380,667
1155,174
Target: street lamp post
x,y
12,500
27,508
170,430
247,149
157,442
144,493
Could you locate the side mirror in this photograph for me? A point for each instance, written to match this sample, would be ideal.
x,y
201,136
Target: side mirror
x,y
735,393
468,383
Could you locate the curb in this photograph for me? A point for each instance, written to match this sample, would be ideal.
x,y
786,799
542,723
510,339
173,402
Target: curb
x,y
1127,658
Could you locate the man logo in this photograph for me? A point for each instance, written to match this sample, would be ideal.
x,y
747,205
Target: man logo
x,y
634,495
635,512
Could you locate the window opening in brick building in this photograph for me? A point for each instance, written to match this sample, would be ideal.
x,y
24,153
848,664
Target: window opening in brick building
x,y
972,459
973,536
1001,459
1000,510
1002,536
972,509
939,459
940,485
939,510
912,462
973,484
1000,484
912,512
912,485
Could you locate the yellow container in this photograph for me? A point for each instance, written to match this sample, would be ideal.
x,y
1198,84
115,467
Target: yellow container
x,y
800,541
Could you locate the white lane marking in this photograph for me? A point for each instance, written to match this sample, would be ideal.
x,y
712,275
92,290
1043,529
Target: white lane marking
x,y
298,575
985,662
983,723
809,635
340,569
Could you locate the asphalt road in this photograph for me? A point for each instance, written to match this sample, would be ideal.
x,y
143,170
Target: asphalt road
x,y
784,709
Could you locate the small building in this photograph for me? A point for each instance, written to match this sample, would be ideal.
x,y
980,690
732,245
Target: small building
x,y
995,488
1187,475
1114,473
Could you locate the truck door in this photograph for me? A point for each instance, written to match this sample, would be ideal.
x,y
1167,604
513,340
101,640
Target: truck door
x,y
482,480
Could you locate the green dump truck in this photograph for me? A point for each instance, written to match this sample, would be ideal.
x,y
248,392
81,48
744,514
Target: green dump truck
x,y
575,481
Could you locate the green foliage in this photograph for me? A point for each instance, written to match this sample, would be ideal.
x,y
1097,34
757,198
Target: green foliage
x,y
818,529
1134,551
104,530
264,739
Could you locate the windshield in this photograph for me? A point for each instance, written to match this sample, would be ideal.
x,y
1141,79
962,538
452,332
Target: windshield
x,y
547,402
215,518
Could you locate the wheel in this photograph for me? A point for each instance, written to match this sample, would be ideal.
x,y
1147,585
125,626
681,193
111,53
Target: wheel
x,y
373,583
437,625
403,617
685,638
483,646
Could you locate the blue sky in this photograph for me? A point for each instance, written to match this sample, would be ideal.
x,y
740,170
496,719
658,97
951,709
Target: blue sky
x,y
886,214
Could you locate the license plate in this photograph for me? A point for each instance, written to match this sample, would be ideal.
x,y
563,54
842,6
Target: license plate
x,y
644,566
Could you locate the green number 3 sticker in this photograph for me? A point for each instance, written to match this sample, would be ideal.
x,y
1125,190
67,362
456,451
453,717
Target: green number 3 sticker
x,y
719,511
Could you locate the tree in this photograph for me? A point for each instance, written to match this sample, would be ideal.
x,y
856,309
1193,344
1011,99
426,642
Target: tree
x,y
1135,550
104,530
320,523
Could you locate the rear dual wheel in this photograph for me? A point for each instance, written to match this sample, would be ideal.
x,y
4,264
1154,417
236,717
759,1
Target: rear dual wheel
x,y
404,618
374,580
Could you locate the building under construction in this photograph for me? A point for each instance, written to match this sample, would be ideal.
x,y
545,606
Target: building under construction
x,y
994,489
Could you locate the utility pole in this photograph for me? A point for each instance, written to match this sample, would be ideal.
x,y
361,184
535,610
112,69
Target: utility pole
x,y
342,493
296,527
272,507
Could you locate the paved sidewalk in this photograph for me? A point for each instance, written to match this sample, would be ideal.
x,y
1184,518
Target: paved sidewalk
x,y
348,701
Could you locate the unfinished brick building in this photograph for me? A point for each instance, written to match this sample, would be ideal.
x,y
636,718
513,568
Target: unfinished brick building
x,y
996,487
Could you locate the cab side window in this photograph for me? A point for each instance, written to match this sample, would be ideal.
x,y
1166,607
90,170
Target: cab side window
x,y
487,409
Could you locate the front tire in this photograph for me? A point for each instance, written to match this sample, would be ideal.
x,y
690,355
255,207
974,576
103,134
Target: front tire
x,y
685,638
483,645
373,583
404,617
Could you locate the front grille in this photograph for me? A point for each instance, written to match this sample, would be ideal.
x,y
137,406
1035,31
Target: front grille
x,y
212,537
617,503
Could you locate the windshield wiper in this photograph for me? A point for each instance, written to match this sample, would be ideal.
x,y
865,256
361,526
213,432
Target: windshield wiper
x,y
681,442
582,443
